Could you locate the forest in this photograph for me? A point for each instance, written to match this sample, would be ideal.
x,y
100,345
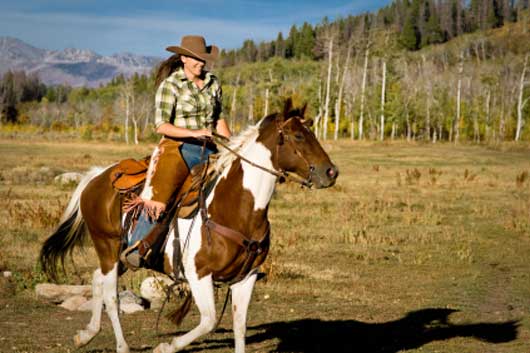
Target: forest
x,y
420,70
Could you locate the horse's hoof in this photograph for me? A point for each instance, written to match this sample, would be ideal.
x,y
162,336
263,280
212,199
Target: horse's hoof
x,y
82,338
123,349
163,348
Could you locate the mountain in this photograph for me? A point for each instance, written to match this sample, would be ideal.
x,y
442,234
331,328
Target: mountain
x,y
74,67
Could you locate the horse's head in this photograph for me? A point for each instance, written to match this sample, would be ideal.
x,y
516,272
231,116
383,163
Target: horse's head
x,y
295,148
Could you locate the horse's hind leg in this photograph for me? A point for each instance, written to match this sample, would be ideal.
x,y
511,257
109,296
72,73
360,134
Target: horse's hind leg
x,y
84,336
203,295
110,298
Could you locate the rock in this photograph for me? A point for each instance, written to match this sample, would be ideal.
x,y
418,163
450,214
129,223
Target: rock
x,y
130,308
73,303
7,274
128,297
86,306
7,287
153,290
58,293
68,178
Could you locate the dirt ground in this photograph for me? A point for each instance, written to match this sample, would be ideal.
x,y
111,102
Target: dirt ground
x,y
416,249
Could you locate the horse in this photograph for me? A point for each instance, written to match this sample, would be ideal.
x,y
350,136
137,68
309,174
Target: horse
x,y
226,242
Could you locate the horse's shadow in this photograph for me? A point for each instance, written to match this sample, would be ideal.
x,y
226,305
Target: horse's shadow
x,y
414,330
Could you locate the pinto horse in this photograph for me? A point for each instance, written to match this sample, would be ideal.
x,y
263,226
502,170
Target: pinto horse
x,y
237,221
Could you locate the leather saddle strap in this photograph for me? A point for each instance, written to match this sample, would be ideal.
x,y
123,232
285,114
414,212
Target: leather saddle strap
x,y
237,237
229,233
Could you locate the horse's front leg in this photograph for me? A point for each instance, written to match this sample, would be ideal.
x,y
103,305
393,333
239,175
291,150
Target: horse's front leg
x,y
241,294
203,294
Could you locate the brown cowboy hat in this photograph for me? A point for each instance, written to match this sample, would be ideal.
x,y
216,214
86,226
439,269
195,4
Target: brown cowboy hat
x,y
195,46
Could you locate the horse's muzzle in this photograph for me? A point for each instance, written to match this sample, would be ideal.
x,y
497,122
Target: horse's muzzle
x,y
324,176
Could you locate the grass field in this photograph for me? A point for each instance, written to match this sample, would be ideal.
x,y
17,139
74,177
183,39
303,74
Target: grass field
x,y
418,248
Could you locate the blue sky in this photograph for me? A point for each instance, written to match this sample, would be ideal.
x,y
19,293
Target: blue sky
x,y
146,27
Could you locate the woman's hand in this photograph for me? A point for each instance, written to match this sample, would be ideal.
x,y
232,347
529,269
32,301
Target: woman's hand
x,y
202,134
180,132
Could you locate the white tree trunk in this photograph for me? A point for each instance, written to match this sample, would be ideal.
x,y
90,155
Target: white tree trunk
x,y
135,123
338,104
266,109
409,128
488,115
328,91
135,130
319,115
233,104
502,121
251,113
363,90
520,103
126,97
458,98
383,86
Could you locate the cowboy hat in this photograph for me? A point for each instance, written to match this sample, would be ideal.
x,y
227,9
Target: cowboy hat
x,y
195,46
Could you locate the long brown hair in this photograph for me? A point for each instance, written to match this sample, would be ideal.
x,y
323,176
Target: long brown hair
x,y
167,67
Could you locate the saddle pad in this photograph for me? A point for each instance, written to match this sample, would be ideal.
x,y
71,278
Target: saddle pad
x,y
129,173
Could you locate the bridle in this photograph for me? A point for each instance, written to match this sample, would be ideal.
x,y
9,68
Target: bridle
x,y
282,174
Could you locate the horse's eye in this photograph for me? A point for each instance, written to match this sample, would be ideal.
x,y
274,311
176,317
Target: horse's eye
x,y
299,136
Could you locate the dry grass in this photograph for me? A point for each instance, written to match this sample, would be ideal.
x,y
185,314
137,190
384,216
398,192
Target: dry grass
x,y
406,228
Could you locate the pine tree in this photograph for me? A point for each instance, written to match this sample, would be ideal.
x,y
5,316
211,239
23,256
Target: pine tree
x,y
290,45
8,98
249,51
279,48
305,41
494,16
433,33
410,37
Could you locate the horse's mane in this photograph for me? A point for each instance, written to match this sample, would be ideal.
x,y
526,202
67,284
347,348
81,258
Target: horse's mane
x,y
249,135
239,143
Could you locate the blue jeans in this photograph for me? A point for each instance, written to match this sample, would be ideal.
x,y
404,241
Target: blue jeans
x,y
192,154
143,226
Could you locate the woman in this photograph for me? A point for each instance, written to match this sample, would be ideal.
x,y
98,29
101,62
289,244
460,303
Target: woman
x,y
188,108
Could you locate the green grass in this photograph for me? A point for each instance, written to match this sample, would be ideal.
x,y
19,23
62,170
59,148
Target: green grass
x,y
418,248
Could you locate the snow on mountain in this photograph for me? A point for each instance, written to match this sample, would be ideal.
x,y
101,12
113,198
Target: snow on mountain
x,y
71,55
75,67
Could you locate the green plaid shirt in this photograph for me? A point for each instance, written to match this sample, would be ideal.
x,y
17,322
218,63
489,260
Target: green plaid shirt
x,y
180,102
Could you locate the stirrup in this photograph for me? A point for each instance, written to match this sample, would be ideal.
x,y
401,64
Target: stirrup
x,y
130,258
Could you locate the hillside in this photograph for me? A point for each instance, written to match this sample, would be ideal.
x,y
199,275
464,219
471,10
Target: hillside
x,y
73,67
474,88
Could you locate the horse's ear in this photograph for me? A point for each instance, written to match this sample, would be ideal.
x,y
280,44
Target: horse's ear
x,y
307,122
302,111
287,107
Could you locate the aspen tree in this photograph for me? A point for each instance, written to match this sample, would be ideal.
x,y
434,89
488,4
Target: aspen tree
x,y
520,102
363,91
328,91
456,125
338,103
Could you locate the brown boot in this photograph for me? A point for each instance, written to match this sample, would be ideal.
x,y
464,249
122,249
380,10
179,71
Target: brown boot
x,y
130,257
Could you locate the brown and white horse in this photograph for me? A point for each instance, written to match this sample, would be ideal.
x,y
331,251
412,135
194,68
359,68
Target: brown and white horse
x,y
232,245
